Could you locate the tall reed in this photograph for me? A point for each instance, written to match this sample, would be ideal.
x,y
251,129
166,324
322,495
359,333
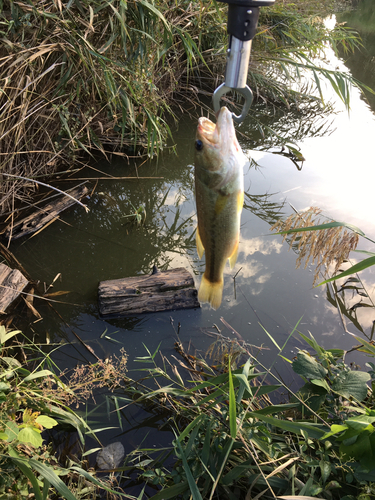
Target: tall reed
x,y
79,76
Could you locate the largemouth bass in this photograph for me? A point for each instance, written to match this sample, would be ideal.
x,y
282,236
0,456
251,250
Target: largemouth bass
x,y
219,193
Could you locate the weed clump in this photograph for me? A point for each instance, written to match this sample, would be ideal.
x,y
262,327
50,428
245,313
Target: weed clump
x,y
84,379
327,246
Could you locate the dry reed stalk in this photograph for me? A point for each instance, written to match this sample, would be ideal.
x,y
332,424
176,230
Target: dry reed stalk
x,y
78,78
325,247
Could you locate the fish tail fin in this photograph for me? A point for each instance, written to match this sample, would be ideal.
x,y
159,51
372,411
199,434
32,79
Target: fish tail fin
x,y
211,292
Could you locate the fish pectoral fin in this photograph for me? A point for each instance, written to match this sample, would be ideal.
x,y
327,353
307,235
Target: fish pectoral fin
x,y
200,247
220,203
233,258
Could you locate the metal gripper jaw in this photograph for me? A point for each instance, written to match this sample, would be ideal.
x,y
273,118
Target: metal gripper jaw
x,y
243,18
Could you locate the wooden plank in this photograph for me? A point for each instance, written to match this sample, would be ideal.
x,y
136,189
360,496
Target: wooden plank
x,y
45,215
160,291
12,283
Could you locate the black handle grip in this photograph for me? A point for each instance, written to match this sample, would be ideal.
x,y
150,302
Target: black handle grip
x,y
243,17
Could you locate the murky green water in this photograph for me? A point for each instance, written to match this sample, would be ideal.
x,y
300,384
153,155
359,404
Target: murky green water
x,y
337,176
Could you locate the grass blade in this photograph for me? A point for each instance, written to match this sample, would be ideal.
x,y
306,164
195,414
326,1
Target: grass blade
x,y
192,484
356,268
232,405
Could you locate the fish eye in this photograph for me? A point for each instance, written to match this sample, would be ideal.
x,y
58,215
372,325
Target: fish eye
x,y
198,145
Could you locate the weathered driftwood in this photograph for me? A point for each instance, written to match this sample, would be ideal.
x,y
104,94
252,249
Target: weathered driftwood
x,y
12,283
45,215
160,291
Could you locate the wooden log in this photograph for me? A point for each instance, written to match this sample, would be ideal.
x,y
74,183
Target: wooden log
x,y
45,215
160,291
12,283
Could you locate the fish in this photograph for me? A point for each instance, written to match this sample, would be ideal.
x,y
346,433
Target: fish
x,y
219,195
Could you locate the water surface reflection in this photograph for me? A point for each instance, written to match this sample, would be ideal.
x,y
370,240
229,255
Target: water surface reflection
x,y
269,292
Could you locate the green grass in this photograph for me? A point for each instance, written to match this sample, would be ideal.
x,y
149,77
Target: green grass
x,y
231,441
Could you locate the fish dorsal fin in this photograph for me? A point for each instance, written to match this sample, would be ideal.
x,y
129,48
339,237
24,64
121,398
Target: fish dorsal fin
x,y
233,258
200,247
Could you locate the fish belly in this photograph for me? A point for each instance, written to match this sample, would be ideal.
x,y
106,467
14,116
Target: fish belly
x,y
218,232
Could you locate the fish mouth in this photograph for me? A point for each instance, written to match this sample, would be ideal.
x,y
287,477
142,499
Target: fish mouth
x,y
207,131
216,133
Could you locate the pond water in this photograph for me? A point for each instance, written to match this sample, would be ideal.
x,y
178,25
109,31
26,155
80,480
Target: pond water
x,y
271,294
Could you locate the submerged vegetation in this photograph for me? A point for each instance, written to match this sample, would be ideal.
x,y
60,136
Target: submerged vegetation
x,y
79,77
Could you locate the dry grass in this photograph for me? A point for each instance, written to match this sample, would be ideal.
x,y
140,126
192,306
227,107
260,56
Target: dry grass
x,y
80,77
327,248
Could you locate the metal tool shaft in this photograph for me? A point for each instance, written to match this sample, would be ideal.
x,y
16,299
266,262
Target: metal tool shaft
x,y
243,18
238,55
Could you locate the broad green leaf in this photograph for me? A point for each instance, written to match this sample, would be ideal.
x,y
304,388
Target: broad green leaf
x,y
308,367
364,251
368,416
168,390
313,395
4,386
11,362
244,385
12,430
93,450
335,429
367,347
321,383
360,448
46,422
315,489
325,469
3,436
336,353
352,383
244,382
361,423
31,436
205,455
